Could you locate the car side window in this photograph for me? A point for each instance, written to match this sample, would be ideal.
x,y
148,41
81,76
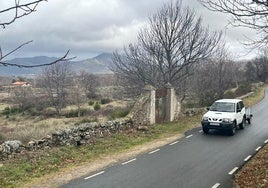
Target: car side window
x,y
237,107
241,104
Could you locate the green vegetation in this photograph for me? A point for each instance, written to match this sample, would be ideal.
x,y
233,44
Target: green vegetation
x,y
119,113
105,101
97,106
90,103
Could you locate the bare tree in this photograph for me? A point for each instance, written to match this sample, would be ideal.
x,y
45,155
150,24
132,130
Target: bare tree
x,y
56,79
17,11
89,83
166,50
23,97
248,13
257,69
214,76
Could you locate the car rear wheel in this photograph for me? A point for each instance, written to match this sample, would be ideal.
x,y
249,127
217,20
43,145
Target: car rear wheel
x,y
242,125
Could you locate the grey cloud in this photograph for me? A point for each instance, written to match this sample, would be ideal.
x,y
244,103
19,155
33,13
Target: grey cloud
x,y
92,26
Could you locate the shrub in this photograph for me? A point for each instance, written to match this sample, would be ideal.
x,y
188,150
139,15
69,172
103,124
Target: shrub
x,y
49,112
105,101
90,103
2,138
97,106
229,95
119,113
6,112
74,113
243,89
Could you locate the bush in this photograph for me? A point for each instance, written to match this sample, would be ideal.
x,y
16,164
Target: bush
x,y
105,101
243,89
229,95
2,138
9,111
49,112
74,113
119,113
97,106
90,103
6,112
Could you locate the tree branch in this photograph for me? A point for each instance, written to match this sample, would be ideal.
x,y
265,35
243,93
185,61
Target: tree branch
x,y
20,10
63,58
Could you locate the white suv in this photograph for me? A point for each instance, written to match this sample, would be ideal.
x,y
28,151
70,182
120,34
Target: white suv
x,y
225,114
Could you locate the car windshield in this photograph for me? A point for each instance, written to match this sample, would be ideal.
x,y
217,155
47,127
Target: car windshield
x,y
223,107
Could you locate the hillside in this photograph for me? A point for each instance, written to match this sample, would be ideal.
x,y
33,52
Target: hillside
x,y
96,65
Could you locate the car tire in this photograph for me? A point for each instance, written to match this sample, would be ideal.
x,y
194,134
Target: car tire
x,y
205,130
233,129
243,124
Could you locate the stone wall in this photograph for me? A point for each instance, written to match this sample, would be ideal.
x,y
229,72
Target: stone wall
x,y
83,134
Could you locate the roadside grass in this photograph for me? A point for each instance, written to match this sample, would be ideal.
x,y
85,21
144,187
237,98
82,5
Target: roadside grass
x,y
255,172
27,166
256,97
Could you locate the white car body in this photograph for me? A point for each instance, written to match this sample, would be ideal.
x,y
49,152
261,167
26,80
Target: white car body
x,y
225,114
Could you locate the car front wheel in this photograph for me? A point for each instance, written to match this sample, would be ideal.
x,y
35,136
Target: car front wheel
x,y
233,129
205,130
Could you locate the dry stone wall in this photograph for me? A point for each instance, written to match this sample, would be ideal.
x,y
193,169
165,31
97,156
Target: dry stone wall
x,y
80,135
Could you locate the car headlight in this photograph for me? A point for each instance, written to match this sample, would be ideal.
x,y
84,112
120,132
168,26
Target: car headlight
x,y
205,118
228,120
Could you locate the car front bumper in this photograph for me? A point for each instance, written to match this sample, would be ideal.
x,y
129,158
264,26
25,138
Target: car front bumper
x,y
221,126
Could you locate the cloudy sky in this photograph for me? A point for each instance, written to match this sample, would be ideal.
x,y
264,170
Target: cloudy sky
x,y
90,27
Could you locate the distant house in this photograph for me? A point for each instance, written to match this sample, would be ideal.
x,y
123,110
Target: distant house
x,y
21,84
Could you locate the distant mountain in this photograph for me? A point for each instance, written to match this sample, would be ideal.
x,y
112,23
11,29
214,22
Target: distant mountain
x,y
96,65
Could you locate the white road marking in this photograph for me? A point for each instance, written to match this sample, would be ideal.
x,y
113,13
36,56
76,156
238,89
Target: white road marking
x,y
154,151
258,148
129,161
233,171
201,131
216,185
266,141
94,175
247,158
174,143
189,136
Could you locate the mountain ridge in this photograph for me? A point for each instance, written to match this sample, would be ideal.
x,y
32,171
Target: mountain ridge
x,y
97,65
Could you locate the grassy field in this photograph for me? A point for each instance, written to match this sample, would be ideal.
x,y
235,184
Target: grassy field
x,y
27,127
32,165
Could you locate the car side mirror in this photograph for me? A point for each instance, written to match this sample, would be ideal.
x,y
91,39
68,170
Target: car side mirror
x,y
208,108
238,110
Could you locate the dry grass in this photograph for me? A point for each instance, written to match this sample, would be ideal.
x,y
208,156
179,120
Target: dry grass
x,y
255,173
26,127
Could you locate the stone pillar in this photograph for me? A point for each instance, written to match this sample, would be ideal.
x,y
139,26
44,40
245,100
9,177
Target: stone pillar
x,y
151,104
173,107
143,112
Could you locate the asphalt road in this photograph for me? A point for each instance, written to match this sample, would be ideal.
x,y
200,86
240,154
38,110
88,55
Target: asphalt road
x,y
195,161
